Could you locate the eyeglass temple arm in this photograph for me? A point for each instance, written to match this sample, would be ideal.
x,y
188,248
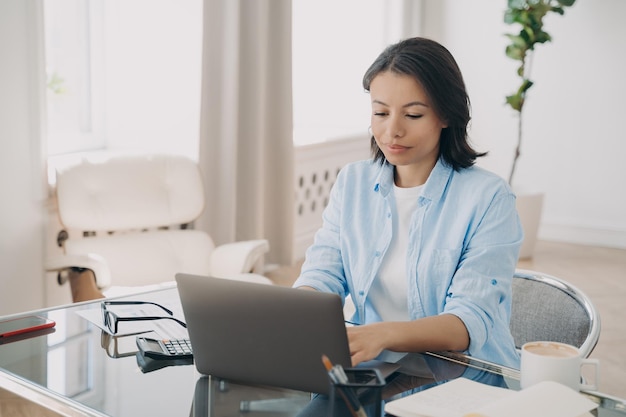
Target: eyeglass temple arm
x,y
138,302
182,323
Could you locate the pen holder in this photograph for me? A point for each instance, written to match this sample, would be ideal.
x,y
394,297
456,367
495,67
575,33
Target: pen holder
x,y
361,396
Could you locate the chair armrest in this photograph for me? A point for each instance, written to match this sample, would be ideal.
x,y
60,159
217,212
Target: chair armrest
x,y
90,261
237,258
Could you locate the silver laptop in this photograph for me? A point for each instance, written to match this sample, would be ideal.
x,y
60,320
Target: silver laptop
x,y
263,334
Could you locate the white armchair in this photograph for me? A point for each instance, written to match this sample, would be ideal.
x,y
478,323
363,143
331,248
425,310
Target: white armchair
x,y
127,218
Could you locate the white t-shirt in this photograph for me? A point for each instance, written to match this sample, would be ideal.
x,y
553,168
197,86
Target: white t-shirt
x,y
389,289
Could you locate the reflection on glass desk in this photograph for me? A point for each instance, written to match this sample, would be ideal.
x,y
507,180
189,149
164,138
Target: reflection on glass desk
x,y
77,369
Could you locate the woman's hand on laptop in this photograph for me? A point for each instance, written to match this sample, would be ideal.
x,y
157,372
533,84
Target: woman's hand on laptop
x,y
435,333
365,341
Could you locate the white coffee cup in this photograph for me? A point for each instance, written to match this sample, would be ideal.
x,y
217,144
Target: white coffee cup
x,y
553,361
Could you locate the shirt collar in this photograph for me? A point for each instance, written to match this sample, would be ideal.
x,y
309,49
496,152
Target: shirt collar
x,y
433,189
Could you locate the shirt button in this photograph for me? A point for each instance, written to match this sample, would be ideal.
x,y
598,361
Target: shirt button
x,y
377,254
494,282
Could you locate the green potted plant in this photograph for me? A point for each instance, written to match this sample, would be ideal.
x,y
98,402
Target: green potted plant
x,y
528,14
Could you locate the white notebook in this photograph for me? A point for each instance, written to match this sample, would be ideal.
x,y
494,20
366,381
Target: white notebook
x,y
463,397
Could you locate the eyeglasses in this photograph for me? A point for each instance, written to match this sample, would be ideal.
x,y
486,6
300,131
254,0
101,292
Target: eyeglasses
x,y
111,319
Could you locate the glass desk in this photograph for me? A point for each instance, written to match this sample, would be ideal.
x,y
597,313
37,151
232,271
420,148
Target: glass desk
x,y
76,369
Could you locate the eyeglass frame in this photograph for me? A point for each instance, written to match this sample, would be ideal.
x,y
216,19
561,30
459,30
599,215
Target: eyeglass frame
x,y
110,319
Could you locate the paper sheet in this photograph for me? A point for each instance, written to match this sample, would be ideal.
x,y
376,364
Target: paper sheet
x,y
543,399
462,397
451,399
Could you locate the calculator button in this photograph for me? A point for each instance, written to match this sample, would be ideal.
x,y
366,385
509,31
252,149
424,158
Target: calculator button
x,y
178,346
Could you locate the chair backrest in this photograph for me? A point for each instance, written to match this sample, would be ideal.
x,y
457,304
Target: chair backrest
x,y
129,192
546,308
129,210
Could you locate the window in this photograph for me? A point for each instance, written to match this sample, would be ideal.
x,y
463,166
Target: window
x,y
74,86
123,75
126,74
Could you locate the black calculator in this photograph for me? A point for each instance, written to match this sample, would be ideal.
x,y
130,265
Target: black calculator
x,y
165,348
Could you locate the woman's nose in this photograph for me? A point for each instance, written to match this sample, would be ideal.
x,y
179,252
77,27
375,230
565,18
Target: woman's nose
x,y
395,129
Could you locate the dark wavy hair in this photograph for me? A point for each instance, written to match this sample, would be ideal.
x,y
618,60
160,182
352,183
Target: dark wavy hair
x,y
435,69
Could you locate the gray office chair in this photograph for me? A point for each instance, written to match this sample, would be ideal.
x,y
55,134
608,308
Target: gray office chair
x,y
550,309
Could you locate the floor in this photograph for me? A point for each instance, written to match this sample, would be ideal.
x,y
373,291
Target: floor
x,y
600,272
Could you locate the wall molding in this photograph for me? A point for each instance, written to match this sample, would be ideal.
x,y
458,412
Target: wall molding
x,y
583,235
316,167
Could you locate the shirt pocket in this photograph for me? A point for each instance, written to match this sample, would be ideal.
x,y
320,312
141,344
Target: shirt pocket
x,y
445,262
445,259
436,272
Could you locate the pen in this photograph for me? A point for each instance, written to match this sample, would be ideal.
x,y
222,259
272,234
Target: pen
x,y
338,376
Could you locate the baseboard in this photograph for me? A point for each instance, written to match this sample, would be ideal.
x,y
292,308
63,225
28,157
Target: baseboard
x,y
592,236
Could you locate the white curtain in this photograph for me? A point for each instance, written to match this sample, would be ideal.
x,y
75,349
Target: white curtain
x,y
246,146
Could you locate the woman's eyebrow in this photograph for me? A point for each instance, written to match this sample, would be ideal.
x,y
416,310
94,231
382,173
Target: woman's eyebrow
x,y
411,104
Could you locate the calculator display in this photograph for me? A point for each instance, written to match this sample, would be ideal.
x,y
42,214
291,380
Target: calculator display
x,y
153,345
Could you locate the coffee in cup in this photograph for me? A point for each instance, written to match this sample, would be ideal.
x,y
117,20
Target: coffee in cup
x,y
554,361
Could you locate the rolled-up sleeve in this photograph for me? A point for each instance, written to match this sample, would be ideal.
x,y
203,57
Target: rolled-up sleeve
x,y
323,267
480,290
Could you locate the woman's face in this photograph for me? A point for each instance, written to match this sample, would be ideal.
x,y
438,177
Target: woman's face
x,y
405,126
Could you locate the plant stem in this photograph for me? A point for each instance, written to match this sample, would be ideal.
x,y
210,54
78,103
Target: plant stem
x,y
518,148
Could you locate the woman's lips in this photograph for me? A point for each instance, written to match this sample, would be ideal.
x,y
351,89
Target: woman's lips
x,y
396,148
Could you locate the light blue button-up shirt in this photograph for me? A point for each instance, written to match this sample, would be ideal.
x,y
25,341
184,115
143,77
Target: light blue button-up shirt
x,y
464,240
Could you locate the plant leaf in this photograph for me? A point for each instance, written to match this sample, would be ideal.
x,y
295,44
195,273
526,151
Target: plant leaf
x,y
515,101
526,84
542,37
566,3
515,52
516,4
517,40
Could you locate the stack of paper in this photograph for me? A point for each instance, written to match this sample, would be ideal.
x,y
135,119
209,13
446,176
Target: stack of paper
x,y
463,397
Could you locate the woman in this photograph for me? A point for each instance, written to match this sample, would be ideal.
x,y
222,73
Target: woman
x,y
424,242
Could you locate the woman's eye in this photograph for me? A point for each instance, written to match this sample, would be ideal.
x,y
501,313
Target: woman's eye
x,y
413,116
379,113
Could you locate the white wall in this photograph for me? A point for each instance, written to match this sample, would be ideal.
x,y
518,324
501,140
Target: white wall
x,y
21,175
573,128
